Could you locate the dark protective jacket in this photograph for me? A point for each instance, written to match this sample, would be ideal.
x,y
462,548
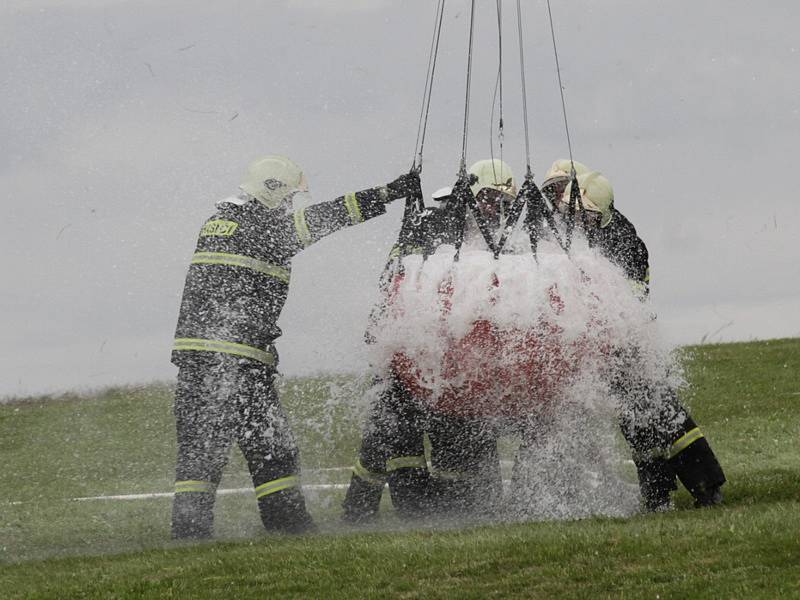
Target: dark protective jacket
x,y
619,243
432,228
239,275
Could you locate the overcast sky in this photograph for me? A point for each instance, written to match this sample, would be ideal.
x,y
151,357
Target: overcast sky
x,y
123,122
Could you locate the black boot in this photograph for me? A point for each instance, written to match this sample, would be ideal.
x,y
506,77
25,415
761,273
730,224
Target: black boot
x,y
700,472
409,489
285,512
455,498
711,497
193,516
362,501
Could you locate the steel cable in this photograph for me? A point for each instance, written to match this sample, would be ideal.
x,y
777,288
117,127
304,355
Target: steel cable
x,y
560,86
463,168
498,87
422,127
528,172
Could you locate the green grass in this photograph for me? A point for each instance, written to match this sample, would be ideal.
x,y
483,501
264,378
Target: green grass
x,y
745,396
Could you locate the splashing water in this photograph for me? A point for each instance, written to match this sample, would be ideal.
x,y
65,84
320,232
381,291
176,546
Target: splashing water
x,y
532,347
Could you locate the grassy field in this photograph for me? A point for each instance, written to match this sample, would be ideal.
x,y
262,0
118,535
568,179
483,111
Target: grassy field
x,y
746,397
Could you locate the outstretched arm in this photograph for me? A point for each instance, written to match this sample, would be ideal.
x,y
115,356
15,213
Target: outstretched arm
x,y
315,222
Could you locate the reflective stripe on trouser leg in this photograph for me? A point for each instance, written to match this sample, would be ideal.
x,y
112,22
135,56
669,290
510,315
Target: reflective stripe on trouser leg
x,y
683,442
373,477
193,486
277,485
282,506
406,462
232,348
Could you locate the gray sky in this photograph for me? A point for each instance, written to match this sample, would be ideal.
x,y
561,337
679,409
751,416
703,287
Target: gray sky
x,y
123,122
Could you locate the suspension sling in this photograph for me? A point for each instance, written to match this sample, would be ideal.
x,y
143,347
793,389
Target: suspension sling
x,y
539,212
530,196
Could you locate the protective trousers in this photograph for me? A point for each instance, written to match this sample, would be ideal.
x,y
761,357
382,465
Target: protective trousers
x,y
221,399
392,451
667,443
465,465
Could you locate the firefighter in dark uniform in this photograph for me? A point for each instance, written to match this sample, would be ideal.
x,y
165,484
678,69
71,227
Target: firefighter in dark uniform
x,y
666,441
235,290
463,451
392,447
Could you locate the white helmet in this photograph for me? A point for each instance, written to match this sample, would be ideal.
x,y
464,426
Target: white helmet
x,y
495,189
273,179
495,174
597,195
558,175
442,194
563,167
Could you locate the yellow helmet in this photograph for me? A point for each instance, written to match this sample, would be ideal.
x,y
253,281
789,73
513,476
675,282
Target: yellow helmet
x,y
597,194
272,179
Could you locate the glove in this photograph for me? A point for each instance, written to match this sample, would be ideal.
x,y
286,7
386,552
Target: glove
x,y
403,186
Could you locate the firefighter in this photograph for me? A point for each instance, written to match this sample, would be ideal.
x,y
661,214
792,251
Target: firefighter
x,y
392,451
609,230
235,289
392,446
666,441
465,464
464,458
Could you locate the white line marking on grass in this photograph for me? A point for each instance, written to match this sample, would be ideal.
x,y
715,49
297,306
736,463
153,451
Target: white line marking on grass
x,y
312,487
151,495
224,492
328,469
